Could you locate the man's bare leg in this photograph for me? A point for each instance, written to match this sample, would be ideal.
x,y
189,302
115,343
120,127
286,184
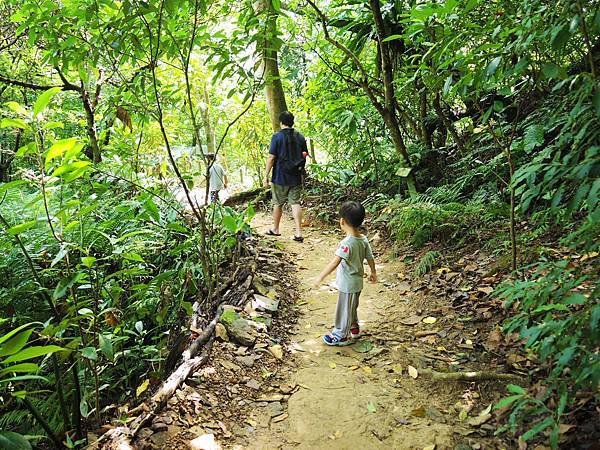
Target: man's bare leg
x,y
297,214
277,212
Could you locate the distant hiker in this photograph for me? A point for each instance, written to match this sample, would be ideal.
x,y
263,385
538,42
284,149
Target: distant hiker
x,y
287,158
349,259
217,177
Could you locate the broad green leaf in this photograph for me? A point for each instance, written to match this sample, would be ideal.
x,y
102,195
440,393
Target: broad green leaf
x,y
152,209
515,389
59,148
59,256
64,284
88,261
133,257
550,70
21,227
403,171
560,36
548,421
43,100
13,441
89,353
175,226
493,66
363,346
106,346
16,107
20,368
33,352
230,224
26,149
507,401
15,344
53,125
10,334
393,37
24,378
13,123
68,168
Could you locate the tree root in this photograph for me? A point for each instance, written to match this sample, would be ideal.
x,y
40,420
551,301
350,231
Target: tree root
x,y
472,376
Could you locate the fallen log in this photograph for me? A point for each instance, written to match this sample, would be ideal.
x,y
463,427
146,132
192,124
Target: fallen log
x,y
257,195
472,376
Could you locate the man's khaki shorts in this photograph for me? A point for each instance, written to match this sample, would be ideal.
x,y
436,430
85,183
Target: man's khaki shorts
x,y
283,194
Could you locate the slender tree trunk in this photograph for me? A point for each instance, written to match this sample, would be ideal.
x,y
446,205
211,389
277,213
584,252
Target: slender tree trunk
x,y
312,150
91,126
274,94
447,123
425,134
208,129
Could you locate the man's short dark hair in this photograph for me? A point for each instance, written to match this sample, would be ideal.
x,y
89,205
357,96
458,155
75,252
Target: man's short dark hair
x,y
286,118
353,213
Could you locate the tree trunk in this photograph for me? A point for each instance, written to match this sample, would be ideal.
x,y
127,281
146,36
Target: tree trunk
x,y
208,129
95,154
447,123
390,100
274,94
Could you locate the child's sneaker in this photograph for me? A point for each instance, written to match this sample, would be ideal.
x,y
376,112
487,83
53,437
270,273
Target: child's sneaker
x,y
354,331
332,339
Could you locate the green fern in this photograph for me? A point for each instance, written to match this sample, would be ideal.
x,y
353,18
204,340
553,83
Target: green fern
x,y
427,262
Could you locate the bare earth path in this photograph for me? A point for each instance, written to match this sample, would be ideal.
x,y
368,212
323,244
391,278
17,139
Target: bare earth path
x,y
350,398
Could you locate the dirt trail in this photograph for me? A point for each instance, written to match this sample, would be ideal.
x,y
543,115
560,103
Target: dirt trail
x,y
350,399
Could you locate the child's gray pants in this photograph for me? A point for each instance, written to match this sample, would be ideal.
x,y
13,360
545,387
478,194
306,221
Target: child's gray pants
x,y
345,313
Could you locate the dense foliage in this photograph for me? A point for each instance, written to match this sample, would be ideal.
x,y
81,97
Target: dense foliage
x,y
457,121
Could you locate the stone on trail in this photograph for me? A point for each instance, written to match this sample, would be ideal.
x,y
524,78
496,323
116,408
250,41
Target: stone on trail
x,y
276,351
205,442
265,304
253,384
247,361
239,330
275,409
221,332
273,397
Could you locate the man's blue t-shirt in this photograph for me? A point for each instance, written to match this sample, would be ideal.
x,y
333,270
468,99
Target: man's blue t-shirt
x,y
278,149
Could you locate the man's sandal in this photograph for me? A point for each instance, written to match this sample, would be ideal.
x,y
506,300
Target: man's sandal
x,y
298,239
272,233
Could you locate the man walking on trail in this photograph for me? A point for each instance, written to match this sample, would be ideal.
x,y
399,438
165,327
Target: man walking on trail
x,y
287,158
217,177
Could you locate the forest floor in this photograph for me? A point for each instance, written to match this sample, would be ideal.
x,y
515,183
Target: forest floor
x,y
374,394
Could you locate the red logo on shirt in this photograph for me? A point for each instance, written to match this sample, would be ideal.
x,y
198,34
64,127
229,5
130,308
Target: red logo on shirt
x,y
344,248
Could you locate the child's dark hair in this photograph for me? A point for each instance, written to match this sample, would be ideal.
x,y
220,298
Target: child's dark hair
x,y
353,213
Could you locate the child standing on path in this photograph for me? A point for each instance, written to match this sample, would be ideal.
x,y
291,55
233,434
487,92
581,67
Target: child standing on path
x,y
348,260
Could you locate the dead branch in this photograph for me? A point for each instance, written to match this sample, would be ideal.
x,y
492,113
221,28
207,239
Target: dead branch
x,y
472,376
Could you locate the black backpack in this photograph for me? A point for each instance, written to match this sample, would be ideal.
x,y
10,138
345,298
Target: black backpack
x,y
291,160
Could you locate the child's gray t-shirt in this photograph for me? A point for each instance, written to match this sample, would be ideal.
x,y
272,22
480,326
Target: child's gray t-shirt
x,y
353,251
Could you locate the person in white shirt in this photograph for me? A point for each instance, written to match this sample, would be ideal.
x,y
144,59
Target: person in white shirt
x,y
217,177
